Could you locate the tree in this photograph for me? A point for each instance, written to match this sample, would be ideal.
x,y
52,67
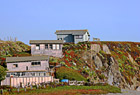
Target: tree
x,y
2,73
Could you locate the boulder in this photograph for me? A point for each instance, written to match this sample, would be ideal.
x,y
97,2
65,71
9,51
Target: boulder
x,y
138,89
98,62
106,49
95,47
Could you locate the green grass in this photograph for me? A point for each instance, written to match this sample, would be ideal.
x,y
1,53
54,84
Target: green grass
x,y
76,90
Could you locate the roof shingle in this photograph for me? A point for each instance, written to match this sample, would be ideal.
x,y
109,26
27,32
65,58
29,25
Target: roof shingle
x,y
46,41
73,32
25,59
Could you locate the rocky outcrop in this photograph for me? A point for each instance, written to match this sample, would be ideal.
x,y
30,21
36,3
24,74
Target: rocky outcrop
x,y
116,63
98,62
95,47
106,49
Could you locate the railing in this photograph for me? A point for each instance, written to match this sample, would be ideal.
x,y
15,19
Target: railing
x,y
76,82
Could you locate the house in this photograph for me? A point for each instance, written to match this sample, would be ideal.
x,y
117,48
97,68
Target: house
x,y
33,69
47,47
73,36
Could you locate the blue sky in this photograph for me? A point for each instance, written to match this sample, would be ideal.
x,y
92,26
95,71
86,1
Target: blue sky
x,y
109,20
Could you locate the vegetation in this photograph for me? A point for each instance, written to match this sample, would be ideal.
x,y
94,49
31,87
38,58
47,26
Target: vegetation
x,y
125,54
70,90
10,48
68,73
2,73
78,64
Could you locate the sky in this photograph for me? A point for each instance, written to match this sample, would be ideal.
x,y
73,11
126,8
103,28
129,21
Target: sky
x,y
109,20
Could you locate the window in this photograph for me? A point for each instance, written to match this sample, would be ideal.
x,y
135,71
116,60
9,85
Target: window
x,y
18,74
44,74
79,37
51,46
35,63
8,75
37,47
23,74
36,74
26,67
54,46
60,46
15,65
41,74
59,39
32,74
46,46
57,47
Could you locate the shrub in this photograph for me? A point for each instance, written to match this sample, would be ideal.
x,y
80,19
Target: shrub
x,y
68,73
2,73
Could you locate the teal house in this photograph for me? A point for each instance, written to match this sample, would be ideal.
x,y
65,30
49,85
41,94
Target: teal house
x,y
73,36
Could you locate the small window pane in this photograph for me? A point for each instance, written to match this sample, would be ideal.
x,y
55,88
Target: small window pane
x,y
57,46
79,37
15,65
46,46
37,47
54,46
51,46
36,63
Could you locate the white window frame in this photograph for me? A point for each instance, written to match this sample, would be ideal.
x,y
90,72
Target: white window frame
x,y
58,46
54,46
37,47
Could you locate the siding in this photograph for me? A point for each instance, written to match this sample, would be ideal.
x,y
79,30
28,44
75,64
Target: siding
x,y
22,66
71,38
77,40
43,51
67,38
15,81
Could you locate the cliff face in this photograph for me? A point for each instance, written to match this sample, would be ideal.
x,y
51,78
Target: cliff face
x,y
116,63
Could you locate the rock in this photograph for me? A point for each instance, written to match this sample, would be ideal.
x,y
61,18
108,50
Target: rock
x,y
95,47
106,65
110,78
132,60
98,62
106,49
138,89
130,57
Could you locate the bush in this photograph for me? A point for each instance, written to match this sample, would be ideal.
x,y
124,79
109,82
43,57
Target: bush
x,y
68,73
2,73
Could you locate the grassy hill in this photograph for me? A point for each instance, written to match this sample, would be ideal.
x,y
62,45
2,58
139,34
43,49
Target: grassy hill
x,y
10,48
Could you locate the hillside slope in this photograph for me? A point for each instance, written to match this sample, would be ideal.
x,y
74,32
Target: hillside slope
x,y
116,63
10,48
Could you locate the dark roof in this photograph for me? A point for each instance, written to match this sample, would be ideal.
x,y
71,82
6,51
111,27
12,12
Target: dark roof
x,y
28,71
46,41
73,32
25,59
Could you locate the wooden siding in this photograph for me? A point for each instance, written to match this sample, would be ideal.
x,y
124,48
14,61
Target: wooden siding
x,y
15,81
43,51
22,66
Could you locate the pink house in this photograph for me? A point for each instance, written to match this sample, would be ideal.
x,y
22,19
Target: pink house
x,y
47,47
27,69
